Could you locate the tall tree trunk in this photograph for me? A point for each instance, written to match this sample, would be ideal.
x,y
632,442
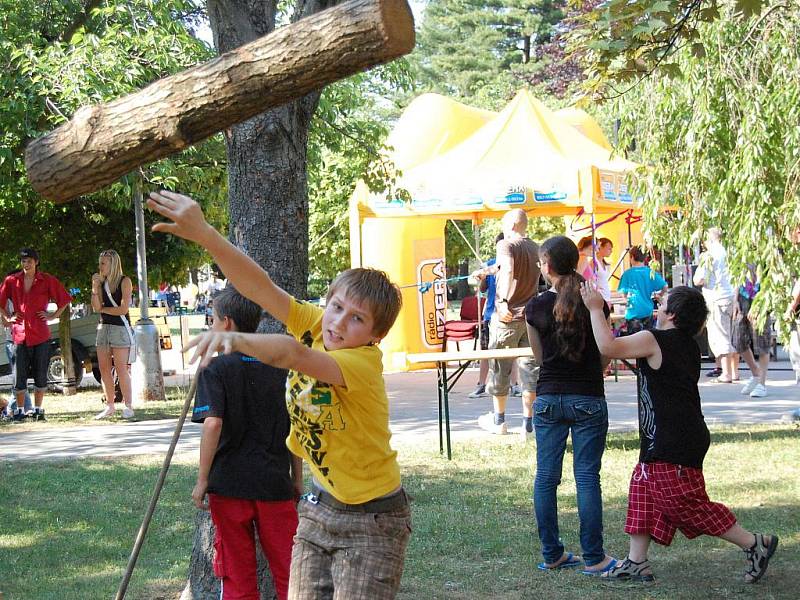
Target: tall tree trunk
x,y
268,206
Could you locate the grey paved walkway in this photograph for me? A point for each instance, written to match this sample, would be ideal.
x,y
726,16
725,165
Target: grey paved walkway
x,y
413,417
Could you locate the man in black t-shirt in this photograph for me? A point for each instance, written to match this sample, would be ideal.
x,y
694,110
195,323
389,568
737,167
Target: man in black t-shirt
x,y
667,489
251,478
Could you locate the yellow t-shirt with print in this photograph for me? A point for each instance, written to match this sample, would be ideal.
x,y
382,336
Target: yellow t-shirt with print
x,y
342,432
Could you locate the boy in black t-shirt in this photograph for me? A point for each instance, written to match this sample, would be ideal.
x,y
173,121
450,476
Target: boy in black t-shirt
x,y
667,489
244,463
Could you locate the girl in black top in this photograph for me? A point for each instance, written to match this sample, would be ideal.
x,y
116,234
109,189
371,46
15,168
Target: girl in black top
x,y
667,489
569,400
114,333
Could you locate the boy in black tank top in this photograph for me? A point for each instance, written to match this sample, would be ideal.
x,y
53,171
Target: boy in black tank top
x,y
667,490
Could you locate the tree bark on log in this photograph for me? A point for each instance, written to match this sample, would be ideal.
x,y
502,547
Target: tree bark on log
x,y
105,141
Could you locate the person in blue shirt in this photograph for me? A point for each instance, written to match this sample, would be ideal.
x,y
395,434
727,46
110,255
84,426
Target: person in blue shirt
x,y
639,283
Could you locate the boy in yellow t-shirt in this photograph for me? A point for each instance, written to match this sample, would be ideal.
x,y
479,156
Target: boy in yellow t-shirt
x,y
355,524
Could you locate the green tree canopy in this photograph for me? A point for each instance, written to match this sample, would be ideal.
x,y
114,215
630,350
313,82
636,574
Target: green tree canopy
x,y
622,41
482,52
721,144
57,56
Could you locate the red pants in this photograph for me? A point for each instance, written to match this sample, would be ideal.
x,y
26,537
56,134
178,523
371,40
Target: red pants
x,y
236,521
664,497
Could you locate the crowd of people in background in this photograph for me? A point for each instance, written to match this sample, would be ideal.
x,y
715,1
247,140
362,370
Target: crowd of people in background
x,y
569,333
320,390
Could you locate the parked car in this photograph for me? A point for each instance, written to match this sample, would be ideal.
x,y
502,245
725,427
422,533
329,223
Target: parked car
x,y
83,332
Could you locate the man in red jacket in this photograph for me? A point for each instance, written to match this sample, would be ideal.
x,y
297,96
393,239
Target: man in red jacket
x,y
31,291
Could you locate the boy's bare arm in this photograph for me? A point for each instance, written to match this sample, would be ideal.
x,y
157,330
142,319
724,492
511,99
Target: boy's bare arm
x,y
278,350
243,272
212,428
638,345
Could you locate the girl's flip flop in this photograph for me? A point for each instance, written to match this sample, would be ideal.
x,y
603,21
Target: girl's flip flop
x,y
570,562
598,572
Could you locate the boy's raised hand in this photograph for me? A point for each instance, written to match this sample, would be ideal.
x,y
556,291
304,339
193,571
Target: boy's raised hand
x,y
186,215
591,297
206,345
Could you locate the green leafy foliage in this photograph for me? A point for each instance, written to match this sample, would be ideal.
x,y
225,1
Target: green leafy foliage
x,y
345,144
58,56
721,145
483,52
622,41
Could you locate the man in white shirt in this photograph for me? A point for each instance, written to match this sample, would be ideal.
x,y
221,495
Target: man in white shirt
x,y
712,274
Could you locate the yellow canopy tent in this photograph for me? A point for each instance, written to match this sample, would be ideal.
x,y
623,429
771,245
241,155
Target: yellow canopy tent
x,y
583,122
431,125
462,163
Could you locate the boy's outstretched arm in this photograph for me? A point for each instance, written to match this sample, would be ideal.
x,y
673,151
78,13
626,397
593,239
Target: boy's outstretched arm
x,y
638,345
281,351
243,272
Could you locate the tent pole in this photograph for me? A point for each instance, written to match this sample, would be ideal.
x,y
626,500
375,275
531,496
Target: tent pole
x,y
476,230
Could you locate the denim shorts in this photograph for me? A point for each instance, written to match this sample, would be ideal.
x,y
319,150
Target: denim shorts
x,y
112,336
32,361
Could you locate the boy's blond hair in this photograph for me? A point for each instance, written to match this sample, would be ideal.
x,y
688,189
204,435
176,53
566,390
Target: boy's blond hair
x,y
373,288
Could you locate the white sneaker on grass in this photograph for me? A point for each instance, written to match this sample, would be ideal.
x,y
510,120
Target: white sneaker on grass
x,y
486,422
105,413
525,435
750,385
760,391
127,413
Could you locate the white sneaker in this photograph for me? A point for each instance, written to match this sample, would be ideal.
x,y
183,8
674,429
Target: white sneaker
x,y
760,391
478,392
486,422
750,385
525,435
105,413
127,413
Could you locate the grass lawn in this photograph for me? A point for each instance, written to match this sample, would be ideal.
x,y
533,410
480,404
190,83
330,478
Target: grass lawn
x,y
68,527
80,409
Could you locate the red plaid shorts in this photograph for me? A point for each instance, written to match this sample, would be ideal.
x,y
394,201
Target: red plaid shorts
x,y
664,497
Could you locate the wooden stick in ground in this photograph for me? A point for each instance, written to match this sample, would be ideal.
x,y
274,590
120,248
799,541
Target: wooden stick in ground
x,y
162,476
105,141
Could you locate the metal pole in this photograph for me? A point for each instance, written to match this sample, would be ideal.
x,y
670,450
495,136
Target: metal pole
x,y
147,377
141,255
476,228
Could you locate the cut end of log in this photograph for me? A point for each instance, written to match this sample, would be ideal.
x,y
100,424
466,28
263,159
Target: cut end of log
x,y
399,24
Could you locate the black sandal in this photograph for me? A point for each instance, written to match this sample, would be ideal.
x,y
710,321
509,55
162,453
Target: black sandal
x,y
758,556
628,570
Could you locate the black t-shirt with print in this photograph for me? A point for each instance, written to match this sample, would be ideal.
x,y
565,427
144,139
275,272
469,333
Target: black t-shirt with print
x,y
252,461
558,374
671,424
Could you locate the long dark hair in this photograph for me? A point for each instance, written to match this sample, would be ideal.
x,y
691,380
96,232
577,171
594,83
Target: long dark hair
x,y
571,316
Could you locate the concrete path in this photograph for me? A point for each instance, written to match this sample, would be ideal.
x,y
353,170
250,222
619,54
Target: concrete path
x,y
414,418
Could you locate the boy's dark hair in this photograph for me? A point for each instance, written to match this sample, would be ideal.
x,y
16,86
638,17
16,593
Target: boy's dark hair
x,y
374,288
638,254
688,308
245,313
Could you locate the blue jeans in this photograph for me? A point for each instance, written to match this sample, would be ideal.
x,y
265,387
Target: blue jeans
x,y
554,417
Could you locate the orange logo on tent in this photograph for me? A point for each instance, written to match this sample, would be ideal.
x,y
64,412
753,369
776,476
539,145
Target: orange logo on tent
x,y
433,303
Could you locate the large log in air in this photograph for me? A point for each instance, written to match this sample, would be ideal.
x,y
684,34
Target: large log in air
x,y
103,142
